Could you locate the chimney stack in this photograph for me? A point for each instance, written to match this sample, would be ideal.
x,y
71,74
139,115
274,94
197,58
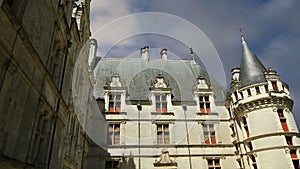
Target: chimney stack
x,y
163,54
144,53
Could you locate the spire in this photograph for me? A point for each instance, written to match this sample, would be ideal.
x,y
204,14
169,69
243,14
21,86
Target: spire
x,y
251,69
192,54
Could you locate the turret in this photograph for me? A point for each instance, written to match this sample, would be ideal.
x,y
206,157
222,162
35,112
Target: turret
x,y
251,69
265,132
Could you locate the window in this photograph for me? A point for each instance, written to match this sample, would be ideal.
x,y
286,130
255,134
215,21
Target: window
x,y
284,125
213,163
161,103
41,142
114,102
249,92
293,154
236,96
246,126
163,134
204,103
247,131
280,113
209,134
113,164
240,164
282,120
289,140
274,84
253,161
250,146
296,163
266,88
113,134
257,90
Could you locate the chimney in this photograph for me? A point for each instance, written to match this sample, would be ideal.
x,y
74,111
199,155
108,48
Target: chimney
x,y
144,53
163,54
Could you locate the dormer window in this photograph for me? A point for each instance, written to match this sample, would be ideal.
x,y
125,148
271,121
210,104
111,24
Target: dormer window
x,y
204,104
161,96
274,85
257,90
203,96
114,102
114,93
161,103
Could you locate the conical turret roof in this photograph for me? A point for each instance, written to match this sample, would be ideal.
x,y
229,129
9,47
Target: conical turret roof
x,y
251,69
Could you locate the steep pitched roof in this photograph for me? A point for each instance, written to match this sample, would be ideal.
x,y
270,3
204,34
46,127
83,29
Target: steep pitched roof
x,y
137,75
251,69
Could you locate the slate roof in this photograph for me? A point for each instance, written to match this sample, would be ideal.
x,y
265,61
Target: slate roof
x,y
251,69
138,75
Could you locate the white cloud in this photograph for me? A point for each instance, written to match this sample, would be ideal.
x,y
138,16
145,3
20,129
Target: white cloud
x,y
271,28
105,11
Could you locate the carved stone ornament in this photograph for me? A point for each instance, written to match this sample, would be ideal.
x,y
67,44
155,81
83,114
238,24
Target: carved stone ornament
x,y
201,83
164,160
115,81
160,83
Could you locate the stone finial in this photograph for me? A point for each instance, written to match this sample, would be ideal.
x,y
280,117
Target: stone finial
x,y
160,83
201,83
235,72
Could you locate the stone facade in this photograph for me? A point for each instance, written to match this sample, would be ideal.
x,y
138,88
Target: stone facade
x,y
39,44
164,113
265,134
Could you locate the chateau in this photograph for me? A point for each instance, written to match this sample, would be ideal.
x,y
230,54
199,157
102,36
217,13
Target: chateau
x,y
62,107
164,113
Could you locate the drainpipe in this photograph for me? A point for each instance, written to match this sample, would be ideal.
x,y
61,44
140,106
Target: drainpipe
x,y
184,107
139,107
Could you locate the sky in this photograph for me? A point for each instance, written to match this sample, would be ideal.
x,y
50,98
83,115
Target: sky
x,y
211,27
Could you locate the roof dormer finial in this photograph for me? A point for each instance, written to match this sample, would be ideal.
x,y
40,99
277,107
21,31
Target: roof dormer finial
x,y
192,54
242,35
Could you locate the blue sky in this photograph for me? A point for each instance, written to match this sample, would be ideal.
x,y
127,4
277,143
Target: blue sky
x,y
271,27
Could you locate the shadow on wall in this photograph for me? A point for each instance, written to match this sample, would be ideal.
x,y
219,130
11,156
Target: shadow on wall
x,y
128,163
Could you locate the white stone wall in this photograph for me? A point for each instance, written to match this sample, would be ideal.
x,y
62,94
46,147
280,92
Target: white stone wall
x,y
149,150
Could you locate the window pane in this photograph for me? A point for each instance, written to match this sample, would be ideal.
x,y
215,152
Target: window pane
x,y
284,125
163,97
274,84
159,138
115,164
117,139
206,98
289,140
108,164
207,105
157,98
293,153
166,127
157,105
210,162
217,162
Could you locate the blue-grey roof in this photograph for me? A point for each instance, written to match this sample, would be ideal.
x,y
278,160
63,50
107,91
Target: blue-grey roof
x,y
251,69
138,74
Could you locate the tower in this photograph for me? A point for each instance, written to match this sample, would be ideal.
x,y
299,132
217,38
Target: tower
x,y
264,130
